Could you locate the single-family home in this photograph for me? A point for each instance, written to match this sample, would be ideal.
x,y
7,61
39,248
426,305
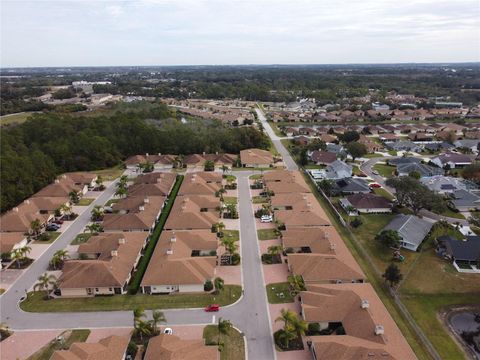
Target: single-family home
x,y
453,160
412,230
403,160
422,169
338,170
323,157
350,186
11,241
403,145
172,347
193,212
182,262
367,203
465,254
256,158
444,184
470,144
464,200
110,260
112,348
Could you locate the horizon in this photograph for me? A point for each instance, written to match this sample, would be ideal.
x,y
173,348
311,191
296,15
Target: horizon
x,y
211,32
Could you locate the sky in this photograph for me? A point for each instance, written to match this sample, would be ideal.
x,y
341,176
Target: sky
x,y
211,32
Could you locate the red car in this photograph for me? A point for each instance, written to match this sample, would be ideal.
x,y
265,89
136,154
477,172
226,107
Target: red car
x,y
212,307
58,221
375,185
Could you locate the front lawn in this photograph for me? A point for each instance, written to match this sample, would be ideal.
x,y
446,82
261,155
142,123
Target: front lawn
x,y
52,236
73,336
279,293
451,214
233,342
111,173
267,234
374,155
81,238
85,201
260,199
232,234
384,193
36,303
111,202
230,200
384,170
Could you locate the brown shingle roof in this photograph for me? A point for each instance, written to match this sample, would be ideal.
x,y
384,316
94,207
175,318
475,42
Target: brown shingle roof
x,y
256,157
109,348
171,347
317,240
186,213
292,218
368,201
9,240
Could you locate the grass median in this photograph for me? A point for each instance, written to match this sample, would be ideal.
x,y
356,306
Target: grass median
x,y
36,302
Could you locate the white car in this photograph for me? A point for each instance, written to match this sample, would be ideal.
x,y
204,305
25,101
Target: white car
x,y
168,331
266,218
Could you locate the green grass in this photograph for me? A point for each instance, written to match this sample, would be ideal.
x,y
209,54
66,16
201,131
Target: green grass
x,y
267,234
230,200
81,238
233,342
85,201
36,302
110,173
374,155
255,177
143,263
232,234
425,310
259,200
275,289
15,118
111,202
356,171
384,170
53,235
384,193
452,214
46,352
231,178
392,152
2,291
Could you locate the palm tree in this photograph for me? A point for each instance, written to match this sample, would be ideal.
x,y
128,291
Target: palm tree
x,y
229,244
287,316
35,227
97,213
287,335
292,326
142,328
44,283
296,284
121,191
17,256
58,258
94,228
99,181
178,161
274,251
219,284
220,227
74,198
300,327
65,209
138,313
56,262
25,251
225,168
224,327
157,317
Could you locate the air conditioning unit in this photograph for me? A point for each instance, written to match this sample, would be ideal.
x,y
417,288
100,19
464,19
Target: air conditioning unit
x,y
365,304
379,330
122,240
170,252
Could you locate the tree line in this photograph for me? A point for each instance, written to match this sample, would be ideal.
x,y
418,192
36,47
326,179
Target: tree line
x,y
35,152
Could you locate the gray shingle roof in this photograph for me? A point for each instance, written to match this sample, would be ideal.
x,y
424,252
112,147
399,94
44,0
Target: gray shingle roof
x,y
468,250
411,228
424,170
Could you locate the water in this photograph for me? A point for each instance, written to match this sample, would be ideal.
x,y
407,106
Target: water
x,y
465,321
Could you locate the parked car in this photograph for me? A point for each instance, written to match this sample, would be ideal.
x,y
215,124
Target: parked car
x,y
52,227
266,218
58,221
212,308
375,185
168,331
375,172
107,210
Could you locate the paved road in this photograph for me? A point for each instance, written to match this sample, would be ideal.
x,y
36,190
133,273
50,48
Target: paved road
x,y
287,159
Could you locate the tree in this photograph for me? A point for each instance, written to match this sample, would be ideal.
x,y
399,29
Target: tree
x,y
17,256
94,228
325,186
44,283
229,244
157,317
73,196
274,251
35,227
65,209
97,213
142,328
138,314
296,284
58,258
472,172
389,238
219,284
303,157
290,326
224,327
356,149
121,191
415,174
349,136
25,250
392,275
225,169
209,165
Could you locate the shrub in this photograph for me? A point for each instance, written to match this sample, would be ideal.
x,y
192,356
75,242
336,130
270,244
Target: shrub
x,y
235,259
356,222
44,237
132,349
267,258
313,329
208,286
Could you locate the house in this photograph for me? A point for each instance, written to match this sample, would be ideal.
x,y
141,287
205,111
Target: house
x,y
62,187
294,219
193,212
444,184
403,145
110,348
156,178
182,262
110,260
134,213
306,240
367,203
350,186
404,160
327,138
82,179
201,183
420,137
470,144
20,218
372,146
159,161
171,347
337,149
323,157
453,160
465,255
146,190
338,170
437,146
354,324
11,241
324,269
464,200
411,229
422,169
256,158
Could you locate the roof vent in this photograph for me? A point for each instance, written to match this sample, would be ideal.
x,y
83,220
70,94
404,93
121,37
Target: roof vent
x,y
365,304
27,201
338,282
146,200
141,208
114,253
121,241
159,154
173,238
15,209
332,246
379,330
169,252
146,154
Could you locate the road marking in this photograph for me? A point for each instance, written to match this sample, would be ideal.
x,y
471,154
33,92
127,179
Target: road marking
x,y
213,319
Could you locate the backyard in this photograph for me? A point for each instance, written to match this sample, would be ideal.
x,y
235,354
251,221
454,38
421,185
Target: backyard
x,y
279,293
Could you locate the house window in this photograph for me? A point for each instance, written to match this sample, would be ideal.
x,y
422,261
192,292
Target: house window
x,y
96,289
110,289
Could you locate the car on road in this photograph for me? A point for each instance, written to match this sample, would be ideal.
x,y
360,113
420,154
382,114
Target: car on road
x,y
375,172
168,331
266,218
375,185
212,308
52,227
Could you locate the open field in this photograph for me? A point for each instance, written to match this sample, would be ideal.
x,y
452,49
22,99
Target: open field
x,y
36,303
